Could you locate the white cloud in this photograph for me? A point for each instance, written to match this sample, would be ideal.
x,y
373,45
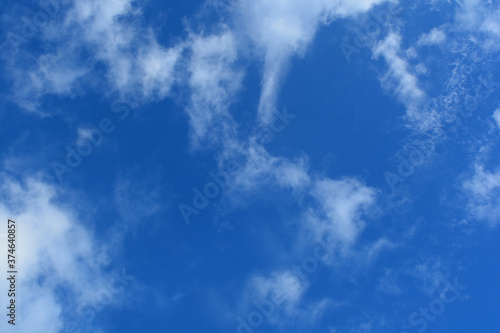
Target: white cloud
x,y
83,135
483,191
260,168
481,16
491,24
421,69
98,24
278,29
293,175
213,80
90,33
496,116
55,73
55,252
111,34
399,75
284,293
281,29
435,37
156,66
342,204
282,288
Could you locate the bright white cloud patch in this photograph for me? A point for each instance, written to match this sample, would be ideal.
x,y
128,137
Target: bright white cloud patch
x,y
91,33
278,29
281,29
342,204
400,76
280,296
284,289
481,16
55,253
435,36
496,117
54,73
261,168
484,195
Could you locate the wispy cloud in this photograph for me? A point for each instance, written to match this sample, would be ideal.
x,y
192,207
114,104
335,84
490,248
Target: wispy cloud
x,y
483,191
280,30
400,77
88,34
213,81
435,37
342,204
496,117
55,252
480,16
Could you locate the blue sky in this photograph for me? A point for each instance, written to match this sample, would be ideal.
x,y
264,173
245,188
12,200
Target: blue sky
x,y
252,166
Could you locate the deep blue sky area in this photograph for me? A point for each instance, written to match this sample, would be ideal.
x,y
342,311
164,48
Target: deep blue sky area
x,y
250,166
